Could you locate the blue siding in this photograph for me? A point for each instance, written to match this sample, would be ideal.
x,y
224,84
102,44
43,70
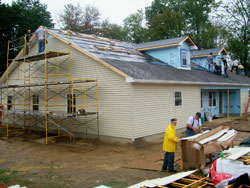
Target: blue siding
x,y
171,55
234,101
202,62
245,89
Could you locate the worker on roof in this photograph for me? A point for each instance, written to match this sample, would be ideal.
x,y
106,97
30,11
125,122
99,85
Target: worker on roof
x,y
241,69
225,67
210,62
40,35
169,146
235,65
27,41
194,124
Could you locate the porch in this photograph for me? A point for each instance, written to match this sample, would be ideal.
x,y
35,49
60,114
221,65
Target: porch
x,y
220,101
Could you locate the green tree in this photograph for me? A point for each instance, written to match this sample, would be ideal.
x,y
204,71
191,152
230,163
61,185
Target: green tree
x,y
71,18
91,19
195,15
169,24
133,24
80,19
239,24
198,23
16,19
113,31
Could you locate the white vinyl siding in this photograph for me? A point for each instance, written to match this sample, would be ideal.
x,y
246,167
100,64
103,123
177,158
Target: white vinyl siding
x,y
154,107
113,92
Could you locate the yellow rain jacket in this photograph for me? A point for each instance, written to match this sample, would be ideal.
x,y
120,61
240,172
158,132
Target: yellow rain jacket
x,y
170,139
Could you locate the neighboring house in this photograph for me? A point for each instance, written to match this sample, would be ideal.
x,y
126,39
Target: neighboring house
x,y
142,86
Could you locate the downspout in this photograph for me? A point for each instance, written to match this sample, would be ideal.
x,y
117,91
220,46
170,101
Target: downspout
x,y
133,112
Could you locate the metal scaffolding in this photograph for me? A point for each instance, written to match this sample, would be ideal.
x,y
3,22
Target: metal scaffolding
x,y
40,92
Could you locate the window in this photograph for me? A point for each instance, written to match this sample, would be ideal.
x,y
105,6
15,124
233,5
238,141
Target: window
x,y
178,99
70,104
35,99
212,99
184,58
249,93
9,102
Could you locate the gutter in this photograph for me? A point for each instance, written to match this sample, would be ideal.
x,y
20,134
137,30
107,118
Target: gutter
x,y
143,81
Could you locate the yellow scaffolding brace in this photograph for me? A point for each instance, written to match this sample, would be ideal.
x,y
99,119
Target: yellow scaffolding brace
x,y
31,86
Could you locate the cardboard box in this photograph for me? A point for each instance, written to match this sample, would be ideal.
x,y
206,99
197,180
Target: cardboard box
x,y
195,157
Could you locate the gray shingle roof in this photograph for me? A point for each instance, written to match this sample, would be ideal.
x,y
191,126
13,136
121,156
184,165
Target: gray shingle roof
x,y
160,42
150,71
124,57
205,52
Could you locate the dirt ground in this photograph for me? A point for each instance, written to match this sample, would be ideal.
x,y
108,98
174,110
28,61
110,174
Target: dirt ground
x,y
82,164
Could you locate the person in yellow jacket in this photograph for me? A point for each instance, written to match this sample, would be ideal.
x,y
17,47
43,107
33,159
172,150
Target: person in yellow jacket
x,y
170,145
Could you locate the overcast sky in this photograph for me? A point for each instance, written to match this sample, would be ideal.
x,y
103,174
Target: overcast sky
x,y
115,10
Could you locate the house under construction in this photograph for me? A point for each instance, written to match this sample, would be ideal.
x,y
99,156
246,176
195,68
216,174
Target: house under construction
x,y
40,92
84,85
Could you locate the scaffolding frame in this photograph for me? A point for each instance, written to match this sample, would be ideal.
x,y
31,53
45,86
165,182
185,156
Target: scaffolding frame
x,y
53,82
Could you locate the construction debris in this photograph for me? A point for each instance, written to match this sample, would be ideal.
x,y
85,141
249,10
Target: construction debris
x,y
183,179
202,145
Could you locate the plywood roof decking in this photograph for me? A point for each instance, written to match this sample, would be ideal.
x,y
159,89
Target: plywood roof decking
x,y
41,56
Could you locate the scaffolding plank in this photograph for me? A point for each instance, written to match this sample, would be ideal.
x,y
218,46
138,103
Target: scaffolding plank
x,y
41,56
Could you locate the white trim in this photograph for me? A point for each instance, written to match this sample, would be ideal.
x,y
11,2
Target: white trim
x,y
163,181
184,68
143,81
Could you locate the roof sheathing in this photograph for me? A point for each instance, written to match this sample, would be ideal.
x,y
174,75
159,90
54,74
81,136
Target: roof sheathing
x,y
90,45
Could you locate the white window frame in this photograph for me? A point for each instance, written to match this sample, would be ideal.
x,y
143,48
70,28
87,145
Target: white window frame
x,y
35,101
10,102
213,99
177,98
186,54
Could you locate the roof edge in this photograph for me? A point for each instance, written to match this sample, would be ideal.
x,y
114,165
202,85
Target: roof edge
x,y
143,81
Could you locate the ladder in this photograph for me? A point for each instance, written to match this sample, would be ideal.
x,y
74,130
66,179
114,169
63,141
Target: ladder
x,y
246,108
